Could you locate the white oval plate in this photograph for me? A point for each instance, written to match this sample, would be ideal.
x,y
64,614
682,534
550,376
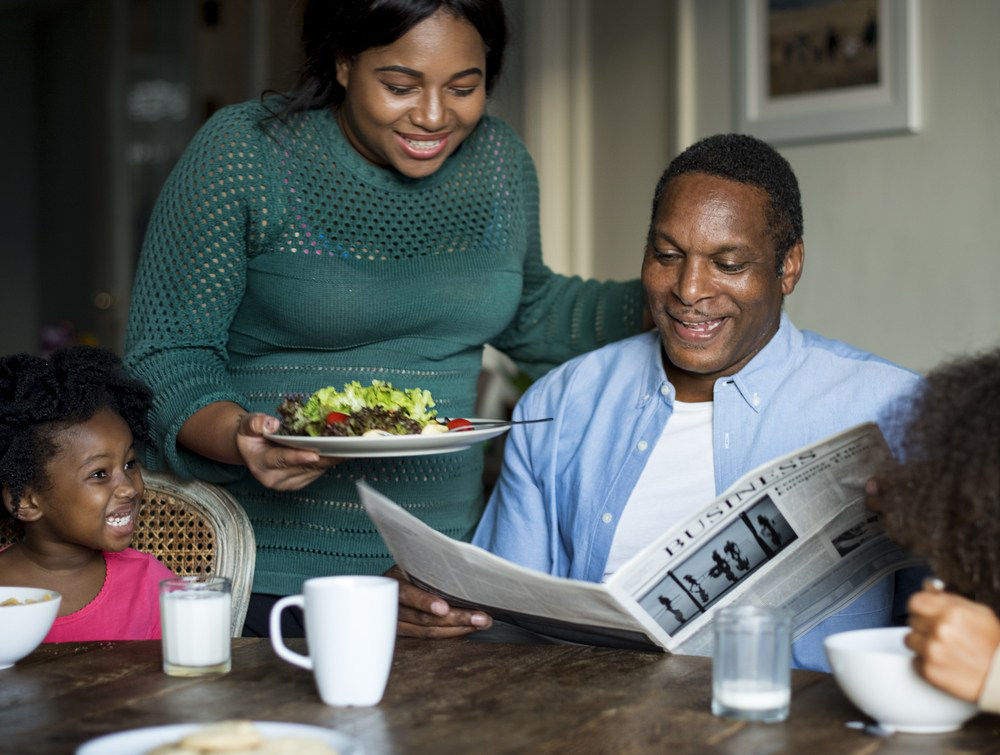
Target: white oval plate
x,y
354,447
141,741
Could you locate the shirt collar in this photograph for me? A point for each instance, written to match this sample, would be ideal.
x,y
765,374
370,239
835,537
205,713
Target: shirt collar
x,y
654,377
757,382
759,379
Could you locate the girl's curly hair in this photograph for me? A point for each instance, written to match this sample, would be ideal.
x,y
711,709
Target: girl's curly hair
x,y
943,500
39,397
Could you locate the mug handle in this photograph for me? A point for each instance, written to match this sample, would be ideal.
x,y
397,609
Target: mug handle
x,y
277,641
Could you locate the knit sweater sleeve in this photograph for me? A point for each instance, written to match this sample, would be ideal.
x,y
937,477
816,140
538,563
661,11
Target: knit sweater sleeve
x,y
562,316
190,280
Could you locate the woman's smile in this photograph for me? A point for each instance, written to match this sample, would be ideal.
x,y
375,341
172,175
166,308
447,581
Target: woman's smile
x,y
410,104
423,147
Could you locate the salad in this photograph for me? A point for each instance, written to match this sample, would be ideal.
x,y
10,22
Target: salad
x,y
376,409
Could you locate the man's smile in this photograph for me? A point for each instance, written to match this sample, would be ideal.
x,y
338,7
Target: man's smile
x,y
696,330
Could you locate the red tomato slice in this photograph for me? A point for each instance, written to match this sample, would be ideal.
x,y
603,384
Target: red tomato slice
x,y
334,417
459,424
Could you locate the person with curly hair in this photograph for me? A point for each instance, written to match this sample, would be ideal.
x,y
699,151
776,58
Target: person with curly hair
x,y
942,501
70,475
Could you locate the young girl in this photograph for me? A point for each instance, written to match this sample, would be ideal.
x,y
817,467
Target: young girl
x,y
943,502
69,474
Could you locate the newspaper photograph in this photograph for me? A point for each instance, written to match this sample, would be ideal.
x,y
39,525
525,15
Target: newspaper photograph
x,y
794,532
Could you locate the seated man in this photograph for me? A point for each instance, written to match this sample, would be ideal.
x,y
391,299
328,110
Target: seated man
x,y
649,430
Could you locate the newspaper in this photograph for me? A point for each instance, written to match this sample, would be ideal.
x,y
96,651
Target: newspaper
x,y
794,532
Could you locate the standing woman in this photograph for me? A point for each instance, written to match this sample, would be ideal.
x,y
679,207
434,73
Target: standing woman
x,y
373,224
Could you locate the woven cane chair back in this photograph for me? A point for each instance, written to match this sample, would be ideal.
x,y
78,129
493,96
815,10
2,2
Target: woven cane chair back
x,y
192,528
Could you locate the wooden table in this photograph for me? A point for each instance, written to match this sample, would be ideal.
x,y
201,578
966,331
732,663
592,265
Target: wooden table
x,y
444,696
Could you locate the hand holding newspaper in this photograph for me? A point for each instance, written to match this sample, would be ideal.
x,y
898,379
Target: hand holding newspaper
x,y
794,532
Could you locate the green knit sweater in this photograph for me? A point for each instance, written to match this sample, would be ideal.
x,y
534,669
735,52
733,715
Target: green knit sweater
x,y
278,260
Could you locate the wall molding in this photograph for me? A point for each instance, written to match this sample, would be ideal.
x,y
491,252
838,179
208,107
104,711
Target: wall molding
x,y
558,113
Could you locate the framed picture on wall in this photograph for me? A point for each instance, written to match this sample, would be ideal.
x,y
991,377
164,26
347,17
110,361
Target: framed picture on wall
x,y
810,70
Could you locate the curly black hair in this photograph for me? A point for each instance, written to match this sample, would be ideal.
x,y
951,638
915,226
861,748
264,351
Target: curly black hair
x,y
40,397
747,160
336,28
942,501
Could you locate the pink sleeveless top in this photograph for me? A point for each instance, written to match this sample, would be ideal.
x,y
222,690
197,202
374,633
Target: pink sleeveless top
x,y
126,608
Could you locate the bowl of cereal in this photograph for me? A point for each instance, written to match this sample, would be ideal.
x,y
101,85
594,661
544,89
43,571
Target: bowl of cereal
x,y
26,615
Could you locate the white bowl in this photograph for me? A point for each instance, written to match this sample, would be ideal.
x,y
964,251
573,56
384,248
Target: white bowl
x,y
23,627
875,670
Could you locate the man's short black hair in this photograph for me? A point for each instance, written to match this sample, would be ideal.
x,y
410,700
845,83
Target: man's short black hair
x,y
748,160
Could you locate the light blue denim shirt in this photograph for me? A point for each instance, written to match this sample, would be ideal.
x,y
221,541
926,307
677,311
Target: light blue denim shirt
x,y
564,483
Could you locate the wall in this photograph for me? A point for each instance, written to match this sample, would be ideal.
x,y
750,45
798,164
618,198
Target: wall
x,y
18,265
633,72
82,173
902,232
588,84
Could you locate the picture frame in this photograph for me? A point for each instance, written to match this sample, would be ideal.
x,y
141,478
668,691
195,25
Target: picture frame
x,y
814,70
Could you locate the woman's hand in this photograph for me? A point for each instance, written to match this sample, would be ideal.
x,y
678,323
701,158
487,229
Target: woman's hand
x,y
954,640
224,431
275,466
423,614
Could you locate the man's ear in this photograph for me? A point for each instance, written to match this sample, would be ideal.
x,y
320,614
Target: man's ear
x,y
791,270
28,509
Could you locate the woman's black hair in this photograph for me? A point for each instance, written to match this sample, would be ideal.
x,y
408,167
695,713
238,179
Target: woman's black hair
x,y
333,29
40,397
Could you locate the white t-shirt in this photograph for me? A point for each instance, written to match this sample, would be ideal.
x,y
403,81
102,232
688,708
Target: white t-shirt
x,y
677,482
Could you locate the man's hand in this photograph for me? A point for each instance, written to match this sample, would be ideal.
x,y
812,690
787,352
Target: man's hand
x,y
954,640
423,614
276,467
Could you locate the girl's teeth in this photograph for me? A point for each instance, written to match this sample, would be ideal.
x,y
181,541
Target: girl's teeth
x,y
119,521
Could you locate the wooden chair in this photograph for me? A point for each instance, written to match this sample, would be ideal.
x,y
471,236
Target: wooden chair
x,y
192,528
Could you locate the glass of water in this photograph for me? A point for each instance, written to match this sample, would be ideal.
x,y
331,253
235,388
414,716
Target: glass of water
x,y
751,663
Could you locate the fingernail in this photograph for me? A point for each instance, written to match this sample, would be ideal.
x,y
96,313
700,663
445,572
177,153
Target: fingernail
x,y
479,620
439,607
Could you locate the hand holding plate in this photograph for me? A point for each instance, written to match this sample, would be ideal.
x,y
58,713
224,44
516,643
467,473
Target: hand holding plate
x,y
275,466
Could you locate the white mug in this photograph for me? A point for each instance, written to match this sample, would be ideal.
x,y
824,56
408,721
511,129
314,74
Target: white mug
x,y
350,632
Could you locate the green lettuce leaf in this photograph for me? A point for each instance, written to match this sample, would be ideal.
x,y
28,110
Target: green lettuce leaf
x,y
416,403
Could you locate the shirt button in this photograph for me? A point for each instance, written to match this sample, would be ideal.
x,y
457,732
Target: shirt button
x,y
664,390
642,445
756,400
607,518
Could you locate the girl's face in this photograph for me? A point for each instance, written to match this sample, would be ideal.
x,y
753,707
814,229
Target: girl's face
x,y
95,486
409,105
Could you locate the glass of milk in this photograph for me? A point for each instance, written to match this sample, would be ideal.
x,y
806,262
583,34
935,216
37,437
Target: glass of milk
x,y
195,620
751,663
